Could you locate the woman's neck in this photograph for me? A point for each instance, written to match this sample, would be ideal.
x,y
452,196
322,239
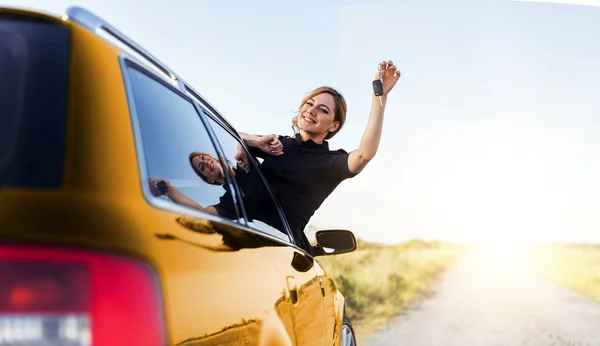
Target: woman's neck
x,y
315,138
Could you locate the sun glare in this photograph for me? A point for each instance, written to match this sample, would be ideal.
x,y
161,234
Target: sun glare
x,y
503,246
501,254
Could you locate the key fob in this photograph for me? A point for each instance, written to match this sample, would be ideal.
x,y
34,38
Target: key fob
x,y
162,187
377,87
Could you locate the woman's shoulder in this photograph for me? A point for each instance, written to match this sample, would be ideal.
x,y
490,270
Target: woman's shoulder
x,y
285,140
338,152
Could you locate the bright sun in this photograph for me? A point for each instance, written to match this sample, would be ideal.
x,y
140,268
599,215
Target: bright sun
x,y
509,252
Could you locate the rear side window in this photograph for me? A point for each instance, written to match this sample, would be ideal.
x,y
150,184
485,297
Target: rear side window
x,y
177,148
33,101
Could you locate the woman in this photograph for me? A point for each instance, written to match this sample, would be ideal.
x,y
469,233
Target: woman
x,y
302,170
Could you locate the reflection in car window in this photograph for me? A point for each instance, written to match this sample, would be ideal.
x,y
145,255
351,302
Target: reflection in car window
x,y
258,202
177,147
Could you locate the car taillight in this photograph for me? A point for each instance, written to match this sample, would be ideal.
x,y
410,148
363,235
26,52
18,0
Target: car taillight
x,y
51,297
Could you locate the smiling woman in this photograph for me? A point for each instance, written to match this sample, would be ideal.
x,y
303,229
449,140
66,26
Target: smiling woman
x,y
302,169
322,102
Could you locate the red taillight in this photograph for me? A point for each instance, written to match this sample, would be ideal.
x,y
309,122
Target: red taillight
x,y
71,297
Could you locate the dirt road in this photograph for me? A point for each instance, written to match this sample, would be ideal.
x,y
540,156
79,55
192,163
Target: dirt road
x,y
488,300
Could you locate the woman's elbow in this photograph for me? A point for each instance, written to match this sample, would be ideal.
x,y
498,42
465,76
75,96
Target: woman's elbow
x,y
365,158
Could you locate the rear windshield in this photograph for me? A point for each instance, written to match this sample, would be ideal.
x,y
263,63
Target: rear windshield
x,y
33,101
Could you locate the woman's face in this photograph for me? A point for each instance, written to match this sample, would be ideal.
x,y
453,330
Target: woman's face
x,y
317,115
209,168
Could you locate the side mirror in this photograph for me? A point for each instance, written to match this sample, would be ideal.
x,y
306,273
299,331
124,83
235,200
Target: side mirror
x,y
333,242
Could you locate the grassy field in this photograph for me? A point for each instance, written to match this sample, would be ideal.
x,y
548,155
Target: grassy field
x,y
575,266
379,281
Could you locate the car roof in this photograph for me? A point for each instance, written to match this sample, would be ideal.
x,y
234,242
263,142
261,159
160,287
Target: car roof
x,y
102,28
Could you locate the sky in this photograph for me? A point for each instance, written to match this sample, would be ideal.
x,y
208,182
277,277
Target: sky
x,y
492,132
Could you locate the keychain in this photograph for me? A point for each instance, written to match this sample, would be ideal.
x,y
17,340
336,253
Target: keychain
x,y
378,86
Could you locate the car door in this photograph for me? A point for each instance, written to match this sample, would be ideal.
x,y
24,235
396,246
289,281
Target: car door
x,y
217,282
302,308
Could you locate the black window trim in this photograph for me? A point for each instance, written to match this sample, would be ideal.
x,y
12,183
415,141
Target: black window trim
x,y
231,181
210,109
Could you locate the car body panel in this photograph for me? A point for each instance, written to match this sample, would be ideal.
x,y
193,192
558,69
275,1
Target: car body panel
x,y
305,297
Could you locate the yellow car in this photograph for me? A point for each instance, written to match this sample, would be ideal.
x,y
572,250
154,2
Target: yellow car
x,y
96,136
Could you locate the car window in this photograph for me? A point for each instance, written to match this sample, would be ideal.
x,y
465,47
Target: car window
x,y
258,202
33,101
177,147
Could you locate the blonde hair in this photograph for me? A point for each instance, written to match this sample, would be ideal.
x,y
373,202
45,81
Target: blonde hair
x,y
340,108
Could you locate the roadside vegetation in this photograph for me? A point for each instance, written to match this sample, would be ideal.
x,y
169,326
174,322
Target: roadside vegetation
x,y
576,266
378,281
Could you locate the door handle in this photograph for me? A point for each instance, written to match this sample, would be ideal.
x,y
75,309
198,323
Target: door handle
x,y
292,288
322,287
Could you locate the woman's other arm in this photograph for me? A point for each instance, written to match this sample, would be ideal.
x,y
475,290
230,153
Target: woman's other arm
x,y
369,143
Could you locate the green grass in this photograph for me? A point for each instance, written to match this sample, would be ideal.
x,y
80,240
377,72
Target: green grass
x,y
574,266
379,281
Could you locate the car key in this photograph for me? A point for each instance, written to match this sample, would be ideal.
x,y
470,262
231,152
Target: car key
x,y
378,87
162,187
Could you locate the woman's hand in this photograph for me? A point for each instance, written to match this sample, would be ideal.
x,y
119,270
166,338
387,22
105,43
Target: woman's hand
x,y
242,159
175,195
154,186
270,144
389,77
